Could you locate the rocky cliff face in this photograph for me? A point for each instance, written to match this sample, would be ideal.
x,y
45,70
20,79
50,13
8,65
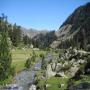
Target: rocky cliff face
x,y
75,31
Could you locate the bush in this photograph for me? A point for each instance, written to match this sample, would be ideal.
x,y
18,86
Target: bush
x,y
41,55
43,63
28,63
12,70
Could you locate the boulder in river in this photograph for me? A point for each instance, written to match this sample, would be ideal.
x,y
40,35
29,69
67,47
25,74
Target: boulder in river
x,y
32,87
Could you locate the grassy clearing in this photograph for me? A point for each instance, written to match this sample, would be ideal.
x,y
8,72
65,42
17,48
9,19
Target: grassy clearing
x,y
19,65
19,57
54,83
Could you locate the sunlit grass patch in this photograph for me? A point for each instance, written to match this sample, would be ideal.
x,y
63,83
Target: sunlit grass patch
x,y
54,83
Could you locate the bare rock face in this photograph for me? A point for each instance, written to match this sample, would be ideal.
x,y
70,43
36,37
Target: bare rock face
x,y
75,31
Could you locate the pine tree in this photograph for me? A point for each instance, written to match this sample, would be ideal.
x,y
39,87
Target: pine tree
x,y
26,40
5,55
16,35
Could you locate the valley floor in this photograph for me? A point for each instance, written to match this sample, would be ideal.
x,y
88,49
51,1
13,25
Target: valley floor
x,y
56,82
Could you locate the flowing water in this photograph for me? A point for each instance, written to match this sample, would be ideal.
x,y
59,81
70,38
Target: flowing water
x,y
26,77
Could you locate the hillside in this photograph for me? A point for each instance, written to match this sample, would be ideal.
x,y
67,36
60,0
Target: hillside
x,y
75,31
39,38
43,40
32,32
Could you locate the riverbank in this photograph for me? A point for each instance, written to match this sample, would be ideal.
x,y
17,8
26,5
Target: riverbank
x,y
19,57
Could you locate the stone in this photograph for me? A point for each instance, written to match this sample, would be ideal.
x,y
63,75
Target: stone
x,y
48,85
31,46
82,52
73,70
81,61
53,66
49,72
32,87
58,66
75,50
12,87
62,58
42,78
61,74
72,61
62,85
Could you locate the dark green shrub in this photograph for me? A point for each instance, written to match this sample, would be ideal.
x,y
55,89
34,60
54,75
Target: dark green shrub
x,y
28,63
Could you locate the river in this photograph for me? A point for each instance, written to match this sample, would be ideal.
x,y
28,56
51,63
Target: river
x,y
26,77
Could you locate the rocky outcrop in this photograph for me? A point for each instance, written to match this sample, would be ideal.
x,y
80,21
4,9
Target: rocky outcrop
x,y
71,61
68,64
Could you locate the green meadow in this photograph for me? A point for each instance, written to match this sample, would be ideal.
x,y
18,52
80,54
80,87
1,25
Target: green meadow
x,y
19,57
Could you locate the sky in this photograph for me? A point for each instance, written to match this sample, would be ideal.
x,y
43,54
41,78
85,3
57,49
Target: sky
x,y
39,14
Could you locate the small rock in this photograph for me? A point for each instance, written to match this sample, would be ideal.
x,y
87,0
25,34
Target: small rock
x,y
48,85
32,87
62,85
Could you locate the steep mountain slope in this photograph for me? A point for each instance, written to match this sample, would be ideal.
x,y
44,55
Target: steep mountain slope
x,y
75,31
39,38
44,40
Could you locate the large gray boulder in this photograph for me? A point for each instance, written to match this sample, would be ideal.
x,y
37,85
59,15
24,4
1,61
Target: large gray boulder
x,y
58,67
53,65
49,72
73,70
